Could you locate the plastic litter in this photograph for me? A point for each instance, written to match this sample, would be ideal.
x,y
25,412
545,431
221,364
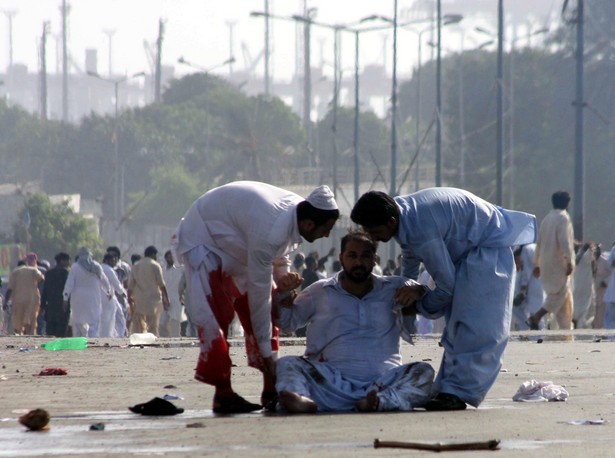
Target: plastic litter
x,y
97,427
171,357
172,397
586,422
24,350
71,343
142,338
534,391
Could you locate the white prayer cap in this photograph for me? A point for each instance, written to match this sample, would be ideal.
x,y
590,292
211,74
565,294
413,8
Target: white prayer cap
x,y
322,198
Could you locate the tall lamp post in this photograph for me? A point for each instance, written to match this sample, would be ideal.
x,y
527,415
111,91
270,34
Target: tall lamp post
x,y
116,84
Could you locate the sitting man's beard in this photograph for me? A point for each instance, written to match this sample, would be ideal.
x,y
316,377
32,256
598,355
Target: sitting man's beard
x,y
358,274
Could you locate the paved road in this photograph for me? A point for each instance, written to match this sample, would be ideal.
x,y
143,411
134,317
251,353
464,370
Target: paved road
x,y
109,376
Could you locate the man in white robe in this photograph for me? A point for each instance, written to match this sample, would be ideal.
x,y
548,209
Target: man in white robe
x,y
609,295
112,321
85,285
352,358
170,320
601,283
554,261
465,244
231,242
583,286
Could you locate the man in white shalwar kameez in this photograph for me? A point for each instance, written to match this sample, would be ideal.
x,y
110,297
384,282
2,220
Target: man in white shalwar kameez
x,y
528,286
554,261
609,295
601,283
85,285
232,242
112,320
352,358
465,244
170,320
583,287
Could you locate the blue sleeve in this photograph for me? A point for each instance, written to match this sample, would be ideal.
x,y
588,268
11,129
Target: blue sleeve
x,y
438,263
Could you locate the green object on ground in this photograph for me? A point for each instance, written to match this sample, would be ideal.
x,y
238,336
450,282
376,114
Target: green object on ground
x,y
71,343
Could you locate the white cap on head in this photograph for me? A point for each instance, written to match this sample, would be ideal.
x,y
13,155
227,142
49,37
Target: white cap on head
x,y
322,198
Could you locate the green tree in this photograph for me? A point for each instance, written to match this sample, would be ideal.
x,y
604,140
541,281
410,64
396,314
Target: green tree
x,y
54,228
172,192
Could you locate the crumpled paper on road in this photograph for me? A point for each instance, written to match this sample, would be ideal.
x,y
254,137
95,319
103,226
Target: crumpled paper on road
x,y
535,391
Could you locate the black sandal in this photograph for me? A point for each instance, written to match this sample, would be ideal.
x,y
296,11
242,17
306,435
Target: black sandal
x,y
156,406
445,401
234,404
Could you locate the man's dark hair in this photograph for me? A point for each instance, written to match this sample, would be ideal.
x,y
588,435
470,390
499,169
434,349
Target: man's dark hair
x,y
150,251
135,258
310,263
306,210
61,256
108,257
167,253
361,237
374,208
560,199
115,250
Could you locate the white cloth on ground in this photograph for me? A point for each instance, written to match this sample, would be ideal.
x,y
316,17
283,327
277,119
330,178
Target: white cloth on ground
x,y
534,391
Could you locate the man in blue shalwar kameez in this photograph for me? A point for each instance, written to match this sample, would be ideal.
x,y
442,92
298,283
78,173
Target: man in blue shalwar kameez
x,y
465,244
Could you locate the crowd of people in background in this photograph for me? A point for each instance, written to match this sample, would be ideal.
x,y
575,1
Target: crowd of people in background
x,y
87,298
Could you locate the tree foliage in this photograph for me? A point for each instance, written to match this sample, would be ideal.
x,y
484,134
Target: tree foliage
x,y
54,228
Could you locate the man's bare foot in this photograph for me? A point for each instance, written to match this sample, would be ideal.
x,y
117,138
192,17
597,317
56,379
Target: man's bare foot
x,y
369,403
295,403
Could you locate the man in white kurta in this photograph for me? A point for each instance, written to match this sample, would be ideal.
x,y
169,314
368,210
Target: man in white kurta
x,y
554,261
112,321
601,283
528,286
85,285
170,320
609,295
583,286
465,244
352,358
228,242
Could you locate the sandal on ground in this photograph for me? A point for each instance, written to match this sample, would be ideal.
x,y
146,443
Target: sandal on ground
x,y
445,401
156,406
234,404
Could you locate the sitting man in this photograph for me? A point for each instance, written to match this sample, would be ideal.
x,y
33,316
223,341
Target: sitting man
x,y
352,357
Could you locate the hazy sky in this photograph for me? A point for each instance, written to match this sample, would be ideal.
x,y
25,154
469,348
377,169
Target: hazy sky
x,y
199,31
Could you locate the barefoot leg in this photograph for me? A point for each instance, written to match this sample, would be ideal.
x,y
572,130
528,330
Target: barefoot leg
x,y
295,403
369,403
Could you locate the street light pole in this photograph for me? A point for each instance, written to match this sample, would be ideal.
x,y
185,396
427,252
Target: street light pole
x,y
116,174
500,105
393,191
439,98
355,141
578,128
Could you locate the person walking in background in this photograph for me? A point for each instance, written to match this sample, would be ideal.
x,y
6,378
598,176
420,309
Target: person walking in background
x,y
147,293
609,295
235,242
85,285
25,295
554,261
170,321
583,294
52,298
112,323
603,274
